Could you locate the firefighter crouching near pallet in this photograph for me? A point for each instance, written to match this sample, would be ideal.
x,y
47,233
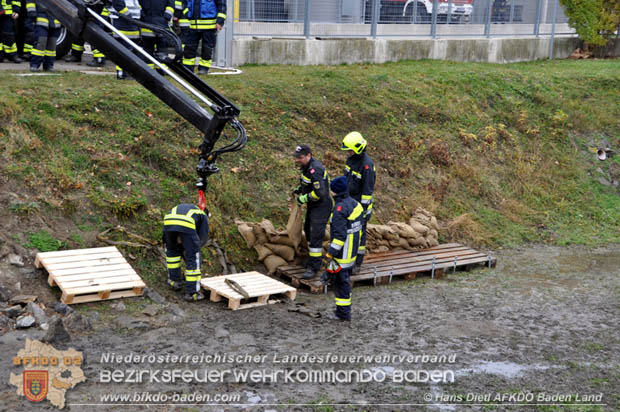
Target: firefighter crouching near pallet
x,y
313,191
206,18
186,230
361,175
345,234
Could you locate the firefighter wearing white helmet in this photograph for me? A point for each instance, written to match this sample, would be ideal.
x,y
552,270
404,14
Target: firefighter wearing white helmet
x,y
361,174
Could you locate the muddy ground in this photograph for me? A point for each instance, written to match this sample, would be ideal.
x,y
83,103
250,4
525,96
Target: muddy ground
x,y
545,322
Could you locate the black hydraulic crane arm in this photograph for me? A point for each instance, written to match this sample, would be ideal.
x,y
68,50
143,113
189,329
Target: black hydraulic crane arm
x,y
81,21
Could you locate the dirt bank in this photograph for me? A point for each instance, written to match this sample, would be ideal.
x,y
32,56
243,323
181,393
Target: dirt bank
x,y
545,322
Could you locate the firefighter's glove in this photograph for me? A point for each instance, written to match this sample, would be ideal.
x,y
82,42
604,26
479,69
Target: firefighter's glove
x,y
302,199
333,267
326,259
297,190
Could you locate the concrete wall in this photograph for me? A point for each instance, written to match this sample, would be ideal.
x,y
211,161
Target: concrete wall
x,y
338,51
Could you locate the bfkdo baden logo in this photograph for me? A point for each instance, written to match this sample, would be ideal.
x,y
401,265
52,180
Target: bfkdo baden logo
x,y
47,373
35,385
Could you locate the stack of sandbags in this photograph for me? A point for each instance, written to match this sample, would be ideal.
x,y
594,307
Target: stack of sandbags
x,y
276,248
421,232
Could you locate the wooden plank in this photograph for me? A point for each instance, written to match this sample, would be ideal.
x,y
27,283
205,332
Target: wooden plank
x,y
111,281
92,270
51,260
77,251
92,289
89,264
94,297
98,275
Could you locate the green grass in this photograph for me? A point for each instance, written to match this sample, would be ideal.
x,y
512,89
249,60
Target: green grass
x,y
506,148
44,242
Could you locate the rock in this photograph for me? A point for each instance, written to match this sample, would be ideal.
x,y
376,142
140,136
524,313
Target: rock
x,y
4,294
604,181
76,322
27,271
176,310
151,310
56,332
221,333
16,260
22,299
38,313
120,306
18,286
154,296
4,251
94,316
24,322
130,322
5,321
62,308
599,170
13,311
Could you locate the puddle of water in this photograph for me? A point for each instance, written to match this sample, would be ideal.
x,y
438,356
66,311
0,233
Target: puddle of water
x,y
506,369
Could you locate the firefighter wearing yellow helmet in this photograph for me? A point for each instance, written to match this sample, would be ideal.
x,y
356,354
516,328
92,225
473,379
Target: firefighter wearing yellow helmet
x,y
361,174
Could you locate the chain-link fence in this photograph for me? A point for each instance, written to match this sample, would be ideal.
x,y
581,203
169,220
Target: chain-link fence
x,y
398,18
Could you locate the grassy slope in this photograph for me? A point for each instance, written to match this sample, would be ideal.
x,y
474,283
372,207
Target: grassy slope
x,y
506,145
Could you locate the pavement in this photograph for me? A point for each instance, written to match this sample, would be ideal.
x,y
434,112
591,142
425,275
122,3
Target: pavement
x,y
62,66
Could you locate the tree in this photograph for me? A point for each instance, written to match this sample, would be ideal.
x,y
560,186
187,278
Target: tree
x,y
594,20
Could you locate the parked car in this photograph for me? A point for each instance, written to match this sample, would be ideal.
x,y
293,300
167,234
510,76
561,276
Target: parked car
x,y
421,11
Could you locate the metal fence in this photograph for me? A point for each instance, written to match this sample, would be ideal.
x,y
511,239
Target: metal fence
x,y
398,18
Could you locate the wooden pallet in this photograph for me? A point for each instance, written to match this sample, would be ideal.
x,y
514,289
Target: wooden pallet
x,y
381,268
259,287
88,275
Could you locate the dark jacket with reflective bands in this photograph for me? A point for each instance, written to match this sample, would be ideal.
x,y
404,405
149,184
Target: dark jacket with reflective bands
x,y
346,229
314,183
360,173
157,12
186,218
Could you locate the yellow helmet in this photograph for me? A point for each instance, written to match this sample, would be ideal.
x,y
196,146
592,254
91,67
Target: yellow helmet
x,y
354,141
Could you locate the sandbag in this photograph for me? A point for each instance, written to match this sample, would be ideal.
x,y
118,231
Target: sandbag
x,y
282,240
417,242
262,251
433,233
394,243
403,229
260,235
267,226
432,242
285,252
381,249
272,262
391,237
418,227
246,232
403,243
434,223
294,226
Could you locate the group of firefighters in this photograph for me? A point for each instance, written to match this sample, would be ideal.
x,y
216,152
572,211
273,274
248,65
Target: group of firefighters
x,y
186,226
197,20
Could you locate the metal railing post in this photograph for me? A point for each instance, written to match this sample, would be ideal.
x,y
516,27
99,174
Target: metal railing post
x,y
487,24
555,15
434,19
374,17
307,19
537,22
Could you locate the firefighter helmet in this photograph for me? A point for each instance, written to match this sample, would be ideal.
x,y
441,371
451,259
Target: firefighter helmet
x,y
354,141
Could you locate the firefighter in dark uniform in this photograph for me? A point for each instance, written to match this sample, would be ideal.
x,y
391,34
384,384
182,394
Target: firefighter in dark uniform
x,y
77,48
46,32
361,174
186,230
9,12
158,13
345,235
313,191
206,18
28,32
128,8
